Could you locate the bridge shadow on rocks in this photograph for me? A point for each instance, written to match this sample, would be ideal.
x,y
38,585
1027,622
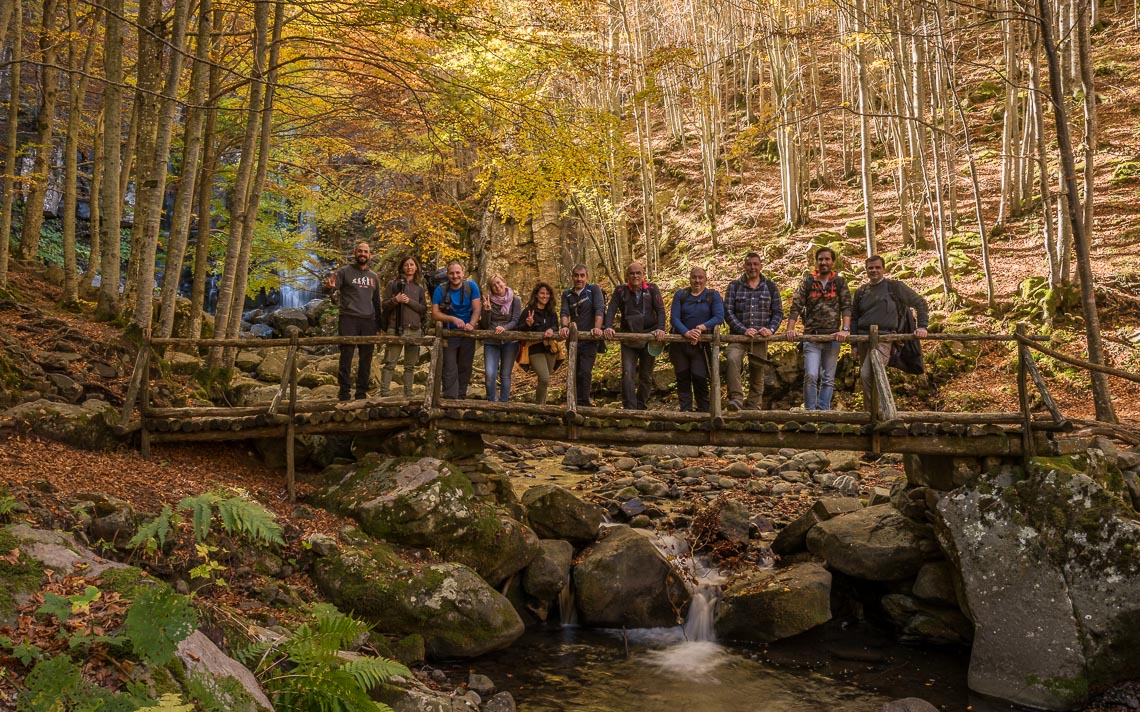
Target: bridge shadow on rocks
x,y
1015,434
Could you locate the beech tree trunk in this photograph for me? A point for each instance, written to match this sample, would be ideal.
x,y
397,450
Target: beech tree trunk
x,y
45,124
77,92
12,144
110,202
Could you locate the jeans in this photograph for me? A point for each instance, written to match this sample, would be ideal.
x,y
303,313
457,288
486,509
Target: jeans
x,y
355,326
392,354
820,360
691,365
458,355
737,354
498,363
636,377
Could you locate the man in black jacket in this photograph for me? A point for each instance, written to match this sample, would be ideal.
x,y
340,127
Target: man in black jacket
x,y
585,305
882,302
642,312
359,316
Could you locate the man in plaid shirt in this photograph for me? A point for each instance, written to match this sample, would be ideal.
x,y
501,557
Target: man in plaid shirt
x,y
752,308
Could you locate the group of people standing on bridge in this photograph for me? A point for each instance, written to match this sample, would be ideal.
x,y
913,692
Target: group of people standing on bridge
x,y
822,304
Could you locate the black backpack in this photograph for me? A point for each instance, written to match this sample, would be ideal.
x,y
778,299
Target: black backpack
x,y
446,305
906,356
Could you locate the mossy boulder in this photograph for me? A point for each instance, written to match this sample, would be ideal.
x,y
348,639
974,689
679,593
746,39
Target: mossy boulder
x,y
19,578
454,609
769,605
556,513
624,581
423,503
1046,560
87,426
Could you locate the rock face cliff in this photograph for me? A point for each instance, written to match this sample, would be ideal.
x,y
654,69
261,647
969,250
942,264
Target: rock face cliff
x,y
542,248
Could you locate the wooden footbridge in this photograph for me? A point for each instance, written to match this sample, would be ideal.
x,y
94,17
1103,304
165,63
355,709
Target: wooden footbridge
x,y
1010,434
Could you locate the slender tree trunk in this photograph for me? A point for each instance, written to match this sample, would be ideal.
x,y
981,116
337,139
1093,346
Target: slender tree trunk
x,y
192,143
1102,398
77,92
144,301
87,279
45,125
110,200
231,290
205,188
7,8
865,125
253,204
11,165
1089,104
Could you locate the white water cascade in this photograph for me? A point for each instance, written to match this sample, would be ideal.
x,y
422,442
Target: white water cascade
x,y
300,285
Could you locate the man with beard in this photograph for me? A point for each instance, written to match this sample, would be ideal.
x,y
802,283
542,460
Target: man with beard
x,y
359,316
824,301
457,304
642,312
752,308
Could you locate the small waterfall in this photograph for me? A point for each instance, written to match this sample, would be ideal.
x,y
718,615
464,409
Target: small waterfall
x,y
698,624
567,610
299,286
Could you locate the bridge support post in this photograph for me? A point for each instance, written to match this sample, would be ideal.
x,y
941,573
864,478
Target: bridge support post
x,y
434,375
1028,448
714,382
571,382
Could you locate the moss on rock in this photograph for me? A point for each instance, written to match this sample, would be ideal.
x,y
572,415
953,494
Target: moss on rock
x,y
18,579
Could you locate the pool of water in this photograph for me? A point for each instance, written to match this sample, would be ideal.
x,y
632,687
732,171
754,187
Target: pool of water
x,y
572,668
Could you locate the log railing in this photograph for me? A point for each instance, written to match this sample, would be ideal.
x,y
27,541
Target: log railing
x,y
881,416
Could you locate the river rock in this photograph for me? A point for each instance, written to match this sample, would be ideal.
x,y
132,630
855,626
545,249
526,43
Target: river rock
x,y
581,457
272,365
199,655
87,426
67,388
908,704
651,487
184,364
282,319
920,622
624,581
502,702
260,331
625,464
248,360
454,609
768,605
733,521
315,308
423,503
556,513
549,573
739,469
876,544
935,583
1051,579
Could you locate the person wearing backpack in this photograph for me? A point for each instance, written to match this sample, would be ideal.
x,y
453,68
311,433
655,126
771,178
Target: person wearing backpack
x,y
824,301
752,308
457,304
543,354
405,304
883,302
695,311
642,312
360,310
584,304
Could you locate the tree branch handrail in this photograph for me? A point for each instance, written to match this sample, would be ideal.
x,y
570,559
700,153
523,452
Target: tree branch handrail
x,y
1078,362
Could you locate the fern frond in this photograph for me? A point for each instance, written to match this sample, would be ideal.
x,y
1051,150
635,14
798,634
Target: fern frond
x,y
155,533
157,622
201,508
372,672
248,518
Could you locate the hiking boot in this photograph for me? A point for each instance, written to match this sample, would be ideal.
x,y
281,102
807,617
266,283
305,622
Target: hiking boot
x,y
361,395
734,405
343,396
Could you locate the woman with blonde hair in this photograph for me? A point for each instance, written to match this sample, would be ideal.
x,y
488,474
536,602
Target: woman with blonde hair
x,y
503,310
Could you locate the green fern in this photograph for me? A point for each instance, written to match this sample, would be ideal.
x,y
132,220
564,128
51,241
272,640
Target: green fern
x,y
57,685
157,622
8,505
248,518
155,534
305,670
201,512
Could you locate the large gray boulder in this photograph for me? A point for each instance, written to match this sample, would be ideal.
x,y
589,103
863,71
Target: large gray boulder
x,y
876,544
87,426
1049,574
454,609
424,503
624,581
768,605
282,319
555,513
549,573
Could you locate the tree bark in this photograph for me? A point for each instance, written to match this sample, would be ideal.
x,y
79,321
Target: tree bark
x,y
1102,398
156,193
110,202
77,92
87,279
45,125
10,164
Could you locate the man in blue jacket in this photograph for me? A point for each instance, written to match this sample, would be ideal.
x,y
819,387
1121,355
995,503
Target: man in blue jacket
x,y
752,308
695,311
457,304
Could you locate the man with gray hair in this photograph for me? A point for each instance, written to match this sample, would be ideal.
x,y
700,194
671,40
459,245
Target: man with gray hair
x,y
584,304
